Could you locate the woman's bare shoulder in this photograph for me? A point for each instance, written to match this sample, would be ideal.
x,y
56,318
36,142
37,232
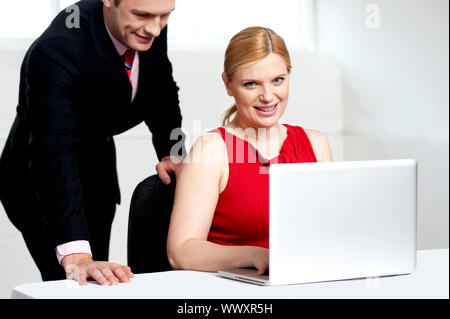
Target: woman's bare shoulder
x,y
208,148
320,144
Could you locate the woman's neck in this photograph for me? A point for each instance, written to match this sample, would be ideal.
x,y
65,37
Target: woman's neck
x,y
268,140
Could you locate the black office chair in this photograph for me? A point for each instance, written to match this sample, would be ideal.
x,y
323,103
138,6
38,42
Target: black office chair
x,y
148,225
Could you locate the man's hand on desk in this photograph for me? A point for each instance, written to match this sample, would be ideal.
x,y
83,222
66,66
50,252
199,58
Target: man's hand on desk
x,y
80,267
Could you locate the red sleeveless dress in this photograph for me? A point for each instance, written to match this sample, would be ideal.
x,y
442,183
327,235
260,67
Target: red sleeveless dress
x,y
242,212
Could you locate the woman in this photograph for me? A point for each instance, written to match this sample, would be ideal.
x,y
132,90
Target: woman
x,y
221,209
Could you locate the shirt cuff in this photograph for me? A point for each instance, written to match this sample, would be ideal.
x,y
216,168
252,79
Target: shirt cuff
x,y
73,247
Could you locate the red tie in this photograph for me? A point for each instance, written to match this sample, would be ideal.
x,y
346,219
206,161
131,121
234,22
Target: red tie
x,y
128,59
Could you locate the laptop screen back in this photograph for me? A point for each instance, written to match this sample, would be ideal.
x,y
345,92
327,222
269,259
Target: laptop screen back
x,y
342,220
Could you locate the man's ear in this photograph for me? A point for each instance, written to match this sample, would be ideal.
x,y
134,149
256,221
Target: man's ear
x,y
227,84
108,3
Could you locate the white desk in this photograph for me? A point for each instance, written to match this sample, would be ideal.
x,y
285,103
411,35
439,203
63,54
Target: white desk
x,y
430,280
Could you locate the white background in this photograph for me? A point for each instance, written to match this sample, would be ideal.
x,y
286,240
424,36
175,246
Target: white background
x,y
377,93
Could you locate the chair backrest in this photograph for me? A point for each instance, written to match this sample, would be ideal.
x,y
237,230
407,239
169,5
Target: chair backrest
x,y
148,225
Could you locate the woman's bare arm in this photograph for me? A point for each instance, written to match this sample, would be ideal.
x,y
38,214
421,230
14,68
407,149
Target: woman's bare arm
x,y
197,192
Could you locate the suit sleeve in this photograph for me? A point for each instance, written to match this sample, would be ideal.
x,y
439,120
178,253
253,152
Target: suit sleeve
x,y
51,80
164,120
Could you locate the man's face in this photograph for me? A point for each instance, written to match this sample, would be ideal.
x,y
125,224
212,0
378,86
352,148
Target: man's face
x,y
136,23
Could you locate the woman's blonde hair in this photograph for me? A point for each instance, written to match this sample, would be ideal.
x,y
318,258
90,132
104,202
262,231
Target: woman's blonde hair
x,y
249,45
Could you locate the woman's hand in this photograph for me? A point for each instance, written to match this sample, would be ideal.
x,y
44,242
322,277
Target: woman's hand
x,y
260,259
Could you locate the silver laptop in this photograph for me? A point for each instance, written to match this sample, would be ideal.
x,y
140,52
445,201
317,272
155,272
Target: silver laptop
x,y
339,220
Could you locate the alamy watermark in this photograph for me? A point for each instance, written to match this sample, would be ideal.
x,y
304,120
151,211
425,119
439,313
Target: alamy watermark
x,y
373,17
373,282
73,19
243,145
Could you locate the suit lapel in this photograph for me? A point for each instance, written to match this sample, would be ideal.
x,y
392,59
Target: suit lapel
x,y
110,64
102,42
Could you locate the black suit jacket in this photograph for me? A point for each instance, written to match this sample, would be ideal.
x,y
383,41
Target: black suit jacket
x,y
59,159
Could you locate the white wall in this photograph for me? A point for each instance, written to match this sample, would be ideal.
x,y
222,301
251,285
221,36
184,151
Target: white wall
x,y
364,86
395,92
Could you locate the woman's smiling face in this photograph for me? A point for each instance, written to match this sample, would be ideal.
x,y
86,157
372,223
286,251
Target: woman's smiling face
x,y
260,90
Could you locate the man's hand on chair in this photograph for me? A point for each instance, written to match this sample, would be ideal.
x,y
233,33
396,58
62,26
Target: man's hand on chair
x,y
169,164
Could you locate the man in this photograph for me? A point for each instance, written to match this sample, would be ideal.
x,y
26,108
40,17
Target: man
x,y
79,87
